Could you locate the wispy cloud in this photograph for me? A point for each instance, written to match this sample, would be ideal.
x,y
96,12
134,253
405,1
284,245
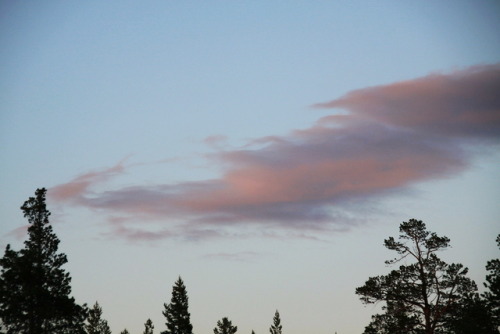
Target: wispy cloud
x,y
75,190
392,137
18,233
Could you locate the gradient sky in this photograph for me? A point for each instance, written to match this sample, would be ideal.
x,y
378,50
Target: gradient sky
x,y
262,151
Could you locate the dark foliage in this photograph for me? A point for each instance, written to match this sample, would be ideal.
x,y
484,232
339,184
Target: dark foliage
x,y
470,316
396,320
95,323
176,313
424,292
225,327
492,296
148,327
276,326
34,289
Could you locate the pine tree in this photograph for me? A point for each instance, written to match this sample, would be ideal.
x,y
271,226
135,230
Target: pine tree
x,y
148,327
419,296
176,313
96,324
276,326
225,327
125,331
34,288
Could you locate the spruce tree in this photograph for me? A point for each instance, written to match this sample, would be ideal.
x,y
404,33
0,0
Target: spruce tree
x,y
148,327
225,327
95,323
34,288
176,313
276,326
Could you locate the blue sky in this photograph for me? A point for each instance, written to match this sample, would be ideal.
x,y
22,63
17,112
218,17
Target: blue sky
x,y
262,151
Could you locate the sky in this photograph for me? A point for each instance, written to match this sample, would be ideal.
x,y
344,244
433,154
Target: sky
x,y
260,150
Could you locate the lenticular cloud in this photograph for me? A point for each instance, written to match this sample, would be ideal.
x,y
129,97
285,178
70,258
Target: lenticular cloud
x,y
392,137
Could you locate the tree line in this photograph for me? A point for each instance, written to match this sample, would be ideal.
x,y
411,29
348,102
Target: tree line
x,y
177,317
422,295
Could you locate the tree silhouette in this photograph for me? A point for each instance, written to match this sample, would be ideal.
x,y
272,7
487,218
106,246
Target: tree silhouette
x,y
225,327
492,296
276,326
176,313
470,316
148,327
95,323
419,296
394,321
34,288
125,331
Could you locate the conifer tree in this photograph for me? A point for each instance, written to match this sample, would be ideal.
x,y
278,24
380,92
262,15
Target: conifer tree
x,y
225,327
470,316
176,313
95,323
148,327
492,295
276,326
125,331
34,288
424,292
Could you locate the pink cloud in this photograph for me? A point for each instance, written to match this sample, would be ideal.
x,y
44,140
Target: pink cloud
x,y
461,103
79,186
19,233
393,136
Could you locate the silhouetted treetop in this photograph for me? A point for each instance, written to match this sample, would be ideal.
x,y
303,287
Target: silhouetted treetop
x,y
276,326
176,312
423,292
225,326
95,323
148,327
34,288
